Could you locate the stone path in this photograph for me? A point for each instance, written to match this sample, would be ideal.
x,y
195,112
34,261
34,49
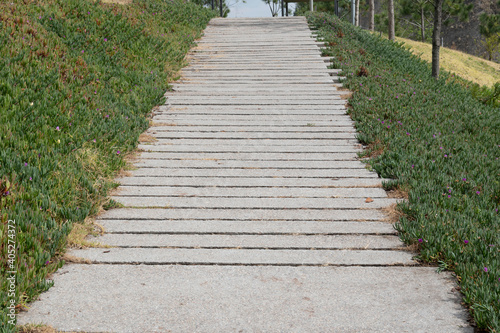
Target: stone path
x,y
249,213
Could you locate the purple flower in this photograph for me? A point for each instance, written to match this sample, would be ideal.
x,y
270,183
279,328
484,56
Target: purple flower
x,y
118,152
485,269
466,241
31,178
47,262
464,179
420,240
57,128
83,51
25,164
477,192
105,39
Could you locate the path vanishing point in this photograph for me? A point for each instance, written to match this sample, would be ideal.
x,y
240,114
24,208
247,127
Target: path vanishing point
x,y
249,213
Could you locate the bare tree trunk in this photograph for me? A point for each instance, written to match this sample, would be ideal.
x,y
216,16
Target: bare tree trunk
x,y
390,8
372,15
436,37
357,13
422,23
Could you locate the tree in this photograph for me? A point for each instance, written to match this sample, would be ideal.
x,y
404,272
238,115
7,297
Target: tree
x,y
436,36
390,12
490,29
372,15
417,13
274,6
226,4
453,7
357,13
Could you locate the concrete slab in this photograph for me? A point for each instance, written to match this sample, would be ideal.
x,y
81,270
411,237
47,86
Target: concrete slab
x,y
314,128
252,182
245,214
256,173
252,227
254,192
167,256
251,156
249,149
295,242
250,299
259,142
329,137
253,202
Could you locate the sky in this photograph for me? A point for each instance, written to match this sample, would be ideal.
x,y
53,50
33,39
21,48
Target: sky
x,y
252,8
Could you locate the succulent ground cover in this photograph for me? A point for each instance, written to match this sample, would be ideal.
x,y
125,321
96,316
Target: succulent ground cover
x,y
437,144
77,81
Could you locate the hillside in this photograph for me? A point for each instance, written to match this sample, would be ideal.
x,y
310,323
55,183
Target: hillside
x,y
475,69
78,79
438,146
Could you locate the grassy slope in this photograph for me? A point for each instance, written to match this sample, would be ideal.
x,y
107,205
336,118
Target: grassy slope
x,y
77,81
477,70
439,145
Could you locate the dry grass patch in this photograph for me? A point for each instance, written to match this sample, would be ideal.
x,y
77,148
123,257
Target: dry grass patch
x,y
397,193
346,96
80,231
144,137
68,258
469,67
392,213
36,329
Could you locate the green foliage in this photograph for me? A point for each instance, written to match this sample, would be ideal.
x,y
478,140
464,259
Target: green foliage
x,y
490,29
441,144
488,96
77,79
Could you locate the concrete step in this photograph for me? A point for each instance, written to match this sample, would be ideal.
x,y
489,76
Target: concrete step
x,y
250,299
249,149
252,202
282,242
252,227
256,173
250,182
256,142
329,138
245,214
307,119
201,164
307,128
256,192
251,156
166,256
